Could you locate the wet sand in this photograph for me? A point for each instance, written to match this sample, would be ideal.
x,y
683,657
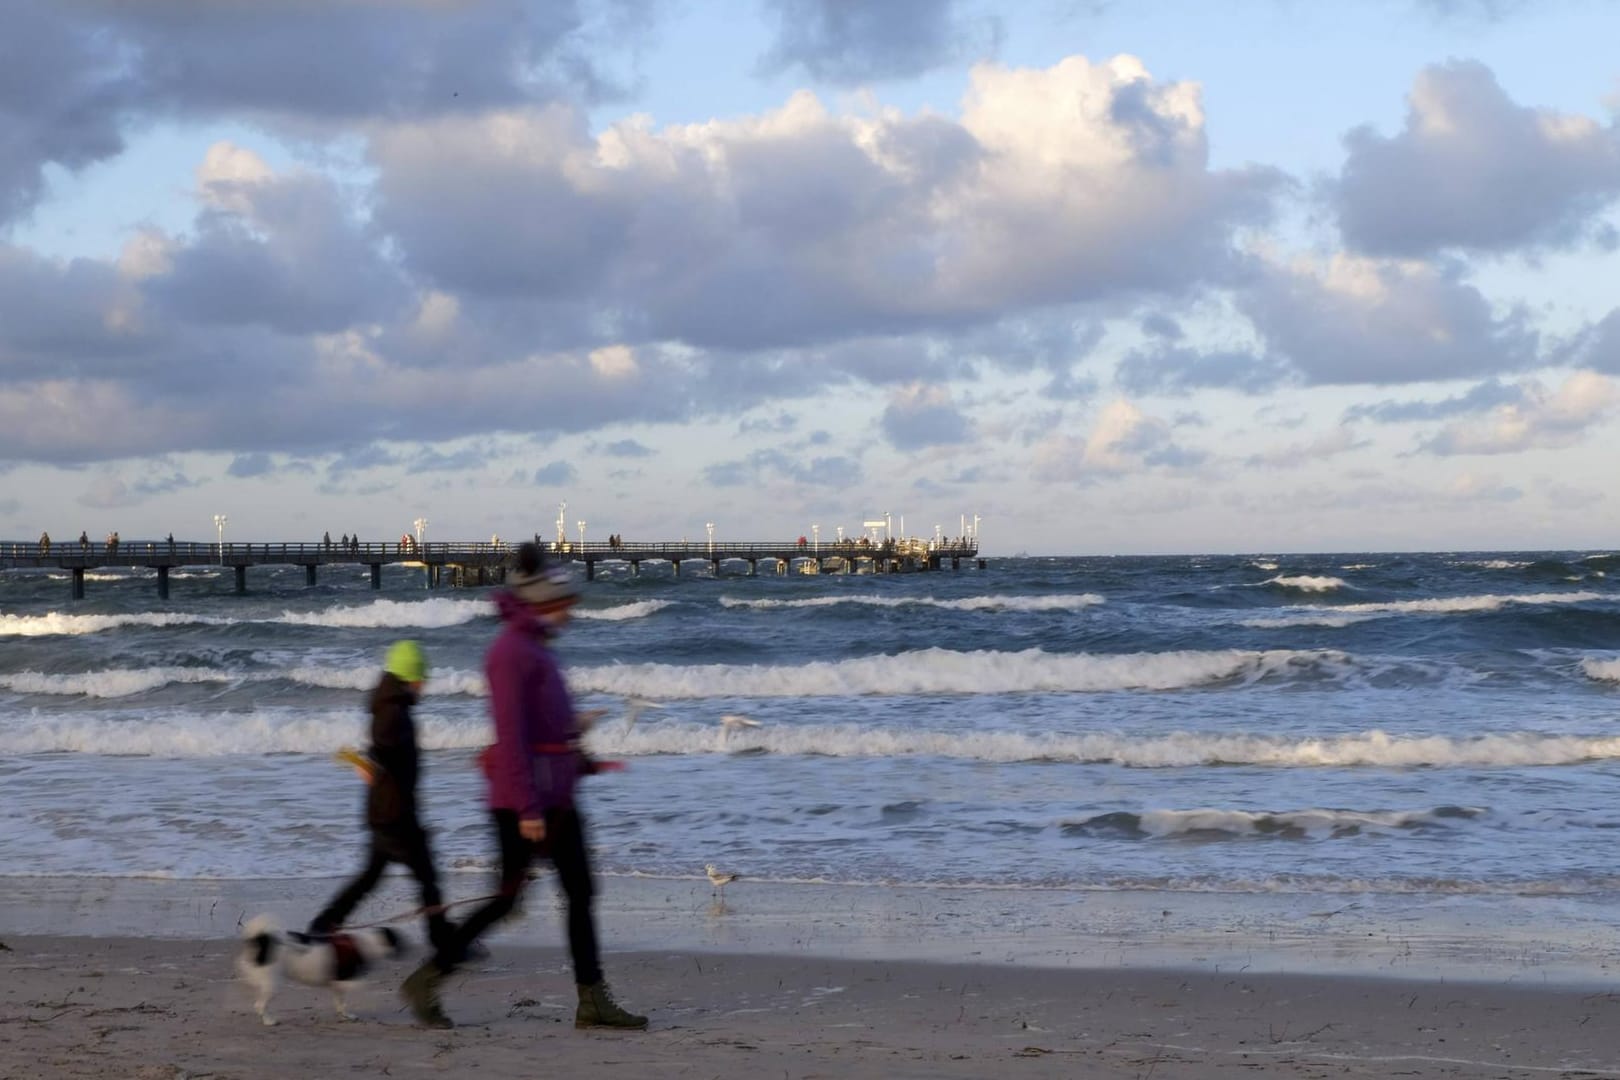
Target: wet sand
x,y
133,978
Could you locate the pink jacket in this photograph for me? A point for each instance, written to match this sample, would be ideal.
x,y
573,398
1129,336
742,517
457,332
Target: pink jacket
x,y
534,762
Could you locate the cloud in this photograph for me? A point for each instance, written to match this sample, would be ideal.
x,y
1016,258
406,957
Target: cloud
x,y
1125,440
1543,420
1176,370
1473,170
109,491
247,465
919,416
763,466
846,43
1340,440
555,474
799,226
627,448
1486,395
1351,320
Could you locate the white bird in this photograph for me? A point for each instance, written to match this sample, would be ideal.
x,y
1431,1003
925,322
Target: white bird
x,y
634,707
732,721
720,879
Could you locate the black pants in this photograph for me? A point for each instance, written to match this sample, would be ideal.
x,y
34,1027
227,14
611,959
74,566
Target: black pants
x,y
407,845
564,845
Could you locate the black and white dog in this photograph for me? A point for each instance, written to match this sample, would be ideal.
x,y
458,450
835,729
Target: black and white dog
x,y
339,961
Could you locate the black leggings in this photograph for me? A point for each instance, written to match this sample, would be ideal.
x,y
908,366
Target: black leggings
x,y
408,846
564,845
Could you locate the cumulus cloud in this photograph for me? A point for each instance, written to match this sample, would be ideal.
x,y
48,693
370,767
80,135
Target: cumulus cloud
x,y
801,226
1124,440
246,465
764,466
1543,420
626,448
844,42
1472,169
919,416
1350,320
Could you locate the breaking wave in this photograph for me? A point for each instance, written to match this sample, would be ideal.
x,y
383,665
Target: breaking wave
x,y
1073,602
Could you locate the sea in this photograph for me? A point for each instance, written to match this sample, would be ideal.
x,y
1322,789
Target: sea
x,y
1430,725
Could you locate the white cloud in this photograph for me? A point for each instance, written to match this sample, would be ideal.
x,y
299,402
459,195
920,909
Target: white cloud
x,y
1543,420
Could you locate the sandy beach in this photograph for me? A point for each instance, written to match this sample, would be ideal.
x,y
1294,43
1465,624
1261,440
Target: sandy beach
x,y
165,1010
825,983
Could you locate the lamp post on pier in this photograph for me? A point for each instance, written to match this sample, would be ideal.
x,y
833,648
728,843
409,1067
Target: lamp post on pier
x,y
581,525
421,524
815,537
710,526
219,528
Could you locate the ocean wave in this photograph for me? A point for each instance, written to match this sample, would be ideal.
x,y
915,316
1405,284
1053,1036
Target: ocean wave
x,y
124,682
1314,824
1173,750
943,671
640,609
1306,582
185,734
56,623
427,614
1602,670
1073,602
1345,614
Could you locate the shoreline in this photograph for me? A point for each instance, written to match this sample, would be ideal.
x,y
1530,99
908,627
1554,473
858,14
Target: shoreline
x,y
1549,941
99,1008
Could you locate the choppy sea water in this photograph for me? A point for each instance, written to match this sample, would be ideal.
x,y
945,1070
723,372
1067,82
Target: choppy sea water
x,y
1436,724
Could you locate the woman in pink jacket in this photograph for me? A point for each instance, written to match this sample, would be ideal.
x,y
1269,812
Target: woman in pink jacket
x,y
532,768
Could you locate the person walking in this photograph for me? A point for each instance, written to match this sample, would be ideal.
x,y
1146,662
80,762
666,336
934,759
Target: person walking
x,y
392,770
532,769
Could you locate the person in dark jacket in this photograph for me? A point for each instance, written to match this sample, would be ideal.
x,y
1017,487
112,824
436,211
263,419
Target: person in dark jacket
x,y
392,769
532,769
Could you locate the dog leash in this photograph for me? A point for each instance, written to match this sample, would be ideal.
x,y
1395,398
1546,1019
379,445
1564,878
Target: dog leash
x,y
432,909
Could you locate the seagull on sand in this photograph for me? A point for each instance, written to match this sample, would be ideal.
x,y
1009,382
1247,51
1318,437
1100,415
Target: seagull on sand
x,y
719,879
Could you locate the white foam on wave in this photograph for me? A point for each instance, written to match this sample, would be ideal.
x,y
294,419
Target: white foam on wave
x,y
70,625
429,614
1307,582
124,682
1173,750
640,609
1072,602
943,671
1495,564
187,734
1345,614
1602,670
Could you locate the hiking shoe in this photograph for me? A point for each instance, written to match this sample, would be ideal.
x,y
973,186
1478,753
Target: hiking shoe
x,y
598,1009
421,993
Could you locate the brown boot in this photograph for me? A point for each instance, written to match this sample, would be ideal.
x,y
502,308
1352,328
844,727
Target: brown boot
x,y
421,993
598,1009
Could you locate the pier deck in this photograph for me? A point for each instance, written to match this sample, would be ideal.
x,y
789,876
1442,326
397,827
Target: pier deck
x,y
462,563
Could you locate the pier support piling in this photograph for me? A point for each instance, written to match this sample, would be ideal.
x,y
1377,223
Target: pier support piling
x,y
241,580
309,575
163,582
376,575
78,583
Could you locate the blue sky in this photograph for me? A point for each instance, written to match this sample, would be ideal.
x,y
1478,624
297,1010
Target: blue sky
x,y
1119,277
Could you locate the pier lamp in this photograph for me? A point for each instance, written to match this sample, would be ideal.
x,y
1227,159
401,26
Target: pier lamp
x,y
421,527
562,525
219,527
581,535
975,528
938,536
710,526
815,536
840,534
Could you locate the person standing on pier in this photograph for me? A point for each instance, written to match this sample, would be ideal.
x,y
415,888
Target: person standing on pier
x,y
392,771
532,769
44,543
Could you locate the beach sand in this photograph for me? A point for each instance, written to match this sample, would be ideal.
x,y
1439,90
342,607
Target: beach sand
x,y
800,982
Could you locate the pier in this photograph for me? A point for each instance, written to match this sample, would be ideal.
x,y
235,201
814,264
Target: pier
x,y
473,563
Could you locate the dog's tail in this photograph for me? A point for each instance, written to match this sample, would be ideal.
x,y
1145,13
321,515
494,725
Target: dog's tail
x,y
259,935
259,926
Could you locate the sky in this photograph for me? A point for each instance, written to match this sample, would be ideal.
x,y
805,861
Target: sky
x,y
1124,277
